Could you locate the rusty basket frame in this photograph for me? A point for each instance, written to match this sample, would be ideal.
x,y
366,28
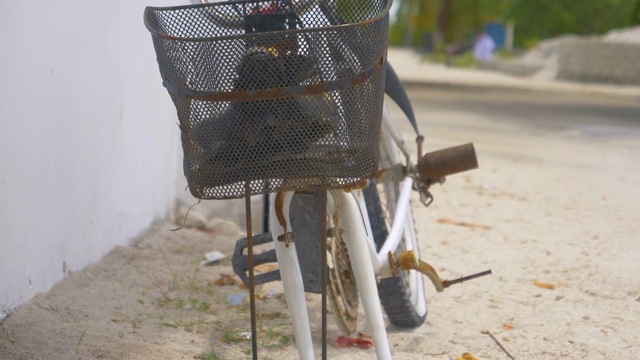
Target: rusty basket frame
x,y
274,95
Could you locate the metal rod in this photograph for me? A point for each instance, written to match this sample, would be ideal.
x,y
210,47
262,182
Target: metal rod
x,y
323,223
447,283
252,297
265,214
420,141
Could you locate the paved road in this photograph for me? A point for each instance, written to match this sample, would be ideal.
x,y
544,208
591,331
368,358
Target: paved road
x,y
529,111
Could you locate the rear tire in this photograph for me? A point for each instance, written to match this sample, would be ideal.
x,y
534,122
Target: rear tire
x,y
403,296
396,294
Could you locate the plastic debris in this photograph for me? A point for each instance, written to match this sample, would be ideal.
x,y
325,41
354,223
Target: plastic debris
x,y
212,257
235,299
360,341
489,186
269,294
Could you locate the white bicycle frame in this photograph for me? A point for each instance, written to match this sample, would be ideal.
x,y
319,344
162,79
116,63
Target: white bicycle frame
x,y
367,263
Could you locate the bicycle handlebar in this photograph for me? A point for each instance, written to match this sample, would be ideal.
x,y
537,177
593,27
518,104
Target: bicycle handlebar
x,y
438,164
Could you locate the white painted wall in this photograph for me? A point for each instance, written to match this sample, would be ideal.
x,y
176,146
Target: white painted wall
x,y
89,147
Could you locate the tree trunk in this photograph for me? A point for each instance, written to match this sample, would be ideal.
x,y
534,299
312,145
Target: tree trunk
x,y
443,19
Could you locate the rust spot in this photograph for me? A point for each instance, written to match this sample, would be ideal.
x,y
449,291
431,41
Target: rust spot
x,y
393,264
280,216
280,210
360,184
278,92
380,173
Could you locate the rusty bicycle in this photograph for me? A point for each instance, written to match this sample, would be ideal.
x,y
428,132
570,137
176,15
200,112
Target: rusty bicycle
x,y
286,99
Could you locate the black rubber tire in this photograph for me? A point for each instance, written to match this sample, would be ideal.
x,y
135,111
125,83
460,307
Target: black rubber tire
x,y
394,294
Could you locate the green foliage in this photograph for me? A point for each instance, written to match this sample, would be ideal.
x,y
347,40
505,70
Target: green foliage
x,y
469,16
635,14
353,10
212,355
458,19
464,60
534,20
415,17
537,20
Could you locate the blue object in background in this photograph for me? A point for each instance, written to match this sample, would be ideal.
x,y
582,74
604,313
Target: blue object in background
x,y
498,33
235,299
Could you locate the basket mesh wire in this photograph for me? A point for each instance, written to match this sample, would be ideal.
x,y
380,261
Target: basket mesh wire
x,y
274,95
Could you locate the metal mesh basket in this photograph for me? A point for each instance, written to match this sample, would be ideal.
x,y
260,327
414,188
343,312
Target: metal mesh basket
x,y
274,95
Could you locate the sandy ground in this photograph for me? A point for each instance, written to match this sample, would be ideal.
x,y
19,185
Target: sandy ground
x,y
557,206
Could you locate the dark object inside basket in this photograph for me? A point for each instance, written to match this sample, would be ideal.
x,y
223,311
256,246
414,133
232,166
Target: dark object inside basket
x,y
276,16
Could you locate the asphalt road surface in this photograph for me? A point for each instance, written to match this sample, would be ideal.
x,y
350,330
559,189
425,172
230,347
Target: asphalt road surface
x,y
441,110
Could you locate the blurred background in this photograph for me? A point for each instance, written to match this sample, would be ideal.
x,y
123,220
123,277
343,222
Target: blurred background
x,y
419,22
529,36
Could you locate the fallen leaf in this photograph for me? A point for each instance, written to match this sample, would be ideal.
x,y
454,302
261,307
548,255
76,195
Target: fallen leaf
x,y
226,279
467,356
544,285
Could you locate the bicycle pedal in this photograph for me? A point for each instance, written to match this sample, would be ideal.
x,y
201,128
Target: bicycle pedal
x,y
408,260
240,261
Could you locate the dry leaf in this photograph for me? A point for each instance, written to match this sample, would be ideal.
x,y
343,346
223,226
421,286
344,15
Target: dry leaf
x,y
544,285
226,279
467,356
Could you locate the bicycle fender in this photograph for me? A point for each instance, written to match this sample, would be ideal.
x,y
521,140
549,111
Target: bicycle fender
x,y
393,87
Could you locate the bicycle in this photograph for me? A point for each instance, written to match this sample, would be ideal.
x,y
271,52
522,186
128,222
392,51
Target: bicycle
x,y
286,98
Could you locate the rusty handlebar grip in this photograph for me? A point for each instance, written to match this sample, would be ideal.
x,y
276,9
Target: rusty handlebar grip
x,y
438,164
